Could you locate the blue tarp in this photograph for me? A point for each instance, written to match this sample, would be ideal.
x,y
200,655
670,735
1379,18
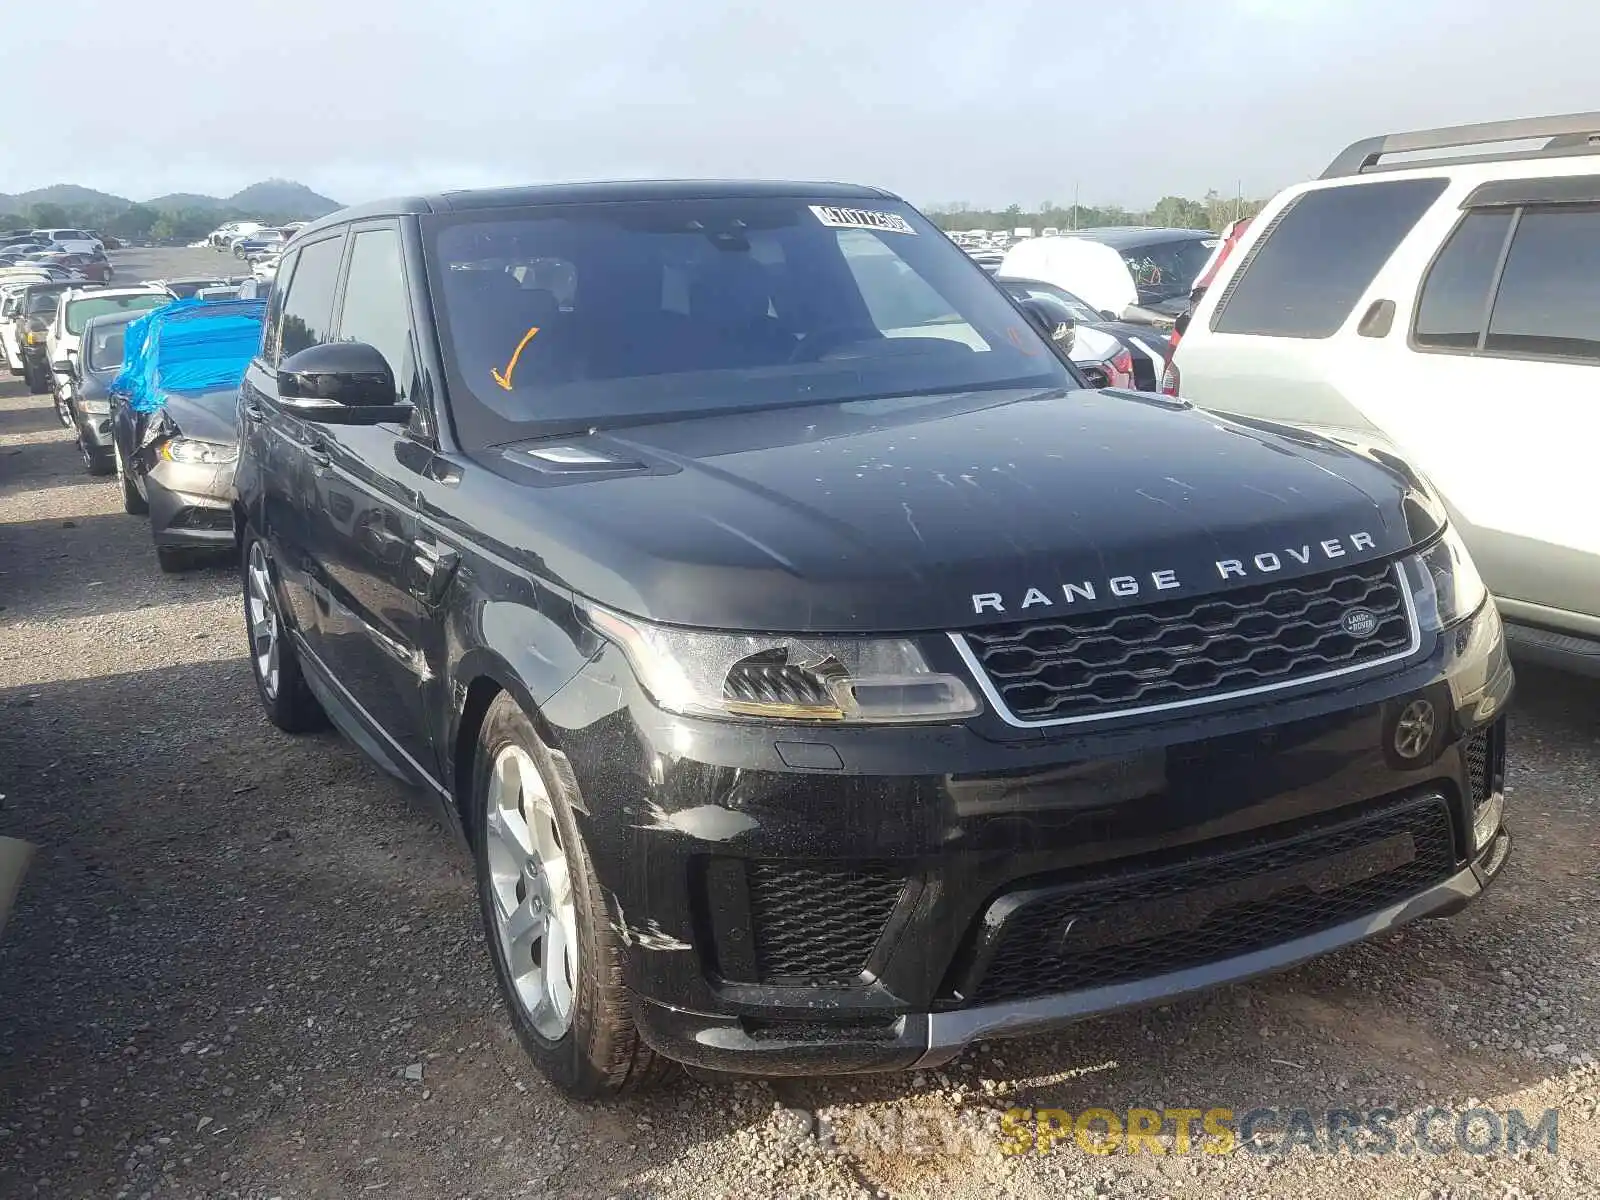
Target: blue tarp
x,y
189,346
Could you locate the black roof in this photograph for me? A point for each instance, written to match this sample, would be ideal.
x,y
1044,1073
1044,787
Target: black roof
x,y
609,192
1120,237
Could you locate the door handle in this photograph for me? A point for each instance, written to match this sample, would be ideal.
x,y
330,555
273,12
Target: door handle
x,y
320,458
254,412
436,566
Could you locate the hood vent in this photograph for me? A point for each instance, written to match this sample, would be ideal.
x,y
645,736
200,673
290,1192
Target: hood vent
x,y
566,457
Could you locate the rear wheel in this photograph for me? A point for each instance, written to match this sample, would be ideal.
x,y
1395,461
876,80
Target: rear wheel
x,y
284,694
132,501
35,378
557,957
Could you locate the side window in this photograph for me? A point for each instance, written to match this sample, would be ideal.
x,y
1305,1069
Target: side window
x,y
377,309
1312,264
1548,302
308,301
272,327
1455,293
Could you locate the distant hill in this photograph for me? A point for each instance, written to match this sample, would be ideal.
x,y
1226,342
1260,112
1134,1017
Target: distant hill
x,y
282,196
271,197
67,195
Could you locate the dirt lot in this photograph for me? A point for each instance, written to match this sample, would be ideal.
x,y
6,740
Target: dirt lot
x,y
244,965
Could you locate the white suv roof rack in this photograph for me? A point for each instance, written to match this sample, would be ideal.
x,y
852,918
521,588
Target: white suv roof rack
x,y
1574,133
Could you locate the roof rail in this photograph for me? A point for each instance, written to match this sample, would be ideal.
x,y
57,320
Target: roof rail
x,y
1572,133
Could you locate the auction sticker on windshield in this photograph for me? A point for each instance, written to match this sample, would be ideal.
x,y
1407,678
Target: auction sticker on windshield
x,y
861,218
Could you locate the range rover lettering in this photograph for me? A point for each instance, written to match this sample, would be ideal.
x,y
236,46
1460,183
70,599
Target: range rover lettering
x,y
822,675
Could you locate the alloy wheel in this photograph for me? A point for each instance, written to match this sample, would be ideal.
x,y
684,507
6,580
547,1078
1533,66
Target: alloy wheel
x,y
531,879
265,628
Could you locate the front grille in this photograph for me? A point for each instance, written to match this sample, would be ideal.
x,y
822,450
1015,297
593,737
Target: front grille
x,y
1145,923
1183,651
817,925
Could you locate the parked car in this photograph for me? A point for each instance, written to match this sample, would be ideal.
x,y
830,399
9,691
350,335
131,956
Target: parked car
x,y
73,309
263,241
229,291
96,268
89,398
1449,310
174,423
184,289
822,692
69,241
223,235
1126,273
265,268
35,309
1109,353
10,347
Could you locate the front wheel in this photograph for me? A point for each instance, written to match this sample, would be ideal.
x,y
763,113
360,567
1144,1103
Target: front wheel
x,y
64,411
558,959
284,693
132,502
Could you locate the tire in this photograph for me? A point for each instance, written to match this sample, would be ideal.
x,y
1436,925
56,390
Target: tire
x,y
591,1050
96,462
174,560
37,384
63,413
132,502
285,697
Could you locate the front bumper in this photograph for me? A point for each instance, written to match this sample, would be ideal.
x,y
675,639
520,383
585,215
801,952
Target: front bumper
x,y
94,431
797,900
190,505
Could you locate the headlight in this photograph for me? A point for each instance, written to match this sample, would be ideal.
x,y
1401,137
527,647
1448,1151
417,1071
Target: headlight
x,y
1450,587
836,679
96,408
198,453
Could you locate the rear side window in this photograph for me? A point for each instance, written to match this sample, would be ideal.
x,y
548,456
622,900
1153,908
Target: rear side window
x,y
1314,261
1548,302
1455,294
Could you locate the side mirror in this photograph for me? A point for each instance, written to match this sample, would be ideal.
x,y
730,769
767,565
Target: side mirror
x,y
1181,325
341,383
62,366
1109,315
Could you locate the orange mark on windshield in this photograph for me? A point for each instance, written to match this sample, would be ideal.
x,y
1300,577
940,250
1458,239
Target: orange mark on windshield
x,y
1017,340
505,380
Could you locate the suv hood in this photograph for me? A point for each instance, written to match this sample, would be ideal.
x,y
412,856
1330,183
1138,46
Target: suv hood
x,y
945,512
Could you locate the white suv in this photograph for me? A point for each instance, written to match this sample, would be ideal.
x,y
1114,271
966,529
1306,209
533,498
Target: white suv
x,y
1448,307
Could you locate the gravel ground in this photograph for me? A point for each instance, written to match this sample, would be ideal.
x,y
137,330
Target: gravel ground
x,y
245,965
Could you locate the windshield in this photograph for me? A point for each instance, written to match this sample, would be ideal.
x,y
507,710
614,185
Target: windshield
x,y
105,347
79,311
1166,270
619,312
1025,289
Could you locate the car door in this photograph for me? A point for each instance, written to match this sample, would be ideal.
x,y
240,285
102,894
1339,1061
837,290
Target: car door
x,y
1488,381
363,531
301,315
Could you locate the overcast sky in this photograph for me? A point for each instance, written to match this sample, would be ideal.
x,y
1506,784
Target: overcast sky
x,y
939,100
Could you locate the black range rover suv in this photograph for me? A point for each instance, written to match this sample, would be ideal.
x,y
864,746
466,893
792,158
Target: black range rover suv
x,y
822,676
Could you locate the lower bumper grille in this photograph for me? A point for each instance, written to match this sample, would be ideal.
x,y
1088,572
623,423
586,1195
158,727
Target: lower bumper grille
x,y
818,925
1478,751
1146,923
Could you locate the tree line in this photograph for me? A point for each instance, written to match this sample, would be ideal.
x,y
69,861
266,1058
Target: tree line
x,y
1213,212
137,222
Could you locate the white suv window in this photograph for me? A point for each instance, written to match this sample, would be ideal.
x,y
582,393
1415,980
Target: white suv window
x,y
1548,302
1546,297
1315,259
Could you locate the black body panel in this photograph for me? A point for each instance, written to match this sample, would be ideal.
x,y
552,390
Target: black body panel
x,y
805,896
